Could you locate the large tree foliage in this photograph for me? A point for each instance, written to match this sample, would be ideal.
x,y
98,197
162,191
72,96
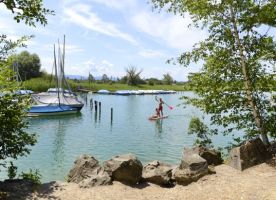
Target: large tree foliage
x,y
29,11
14,140
237,61
26,65
7,46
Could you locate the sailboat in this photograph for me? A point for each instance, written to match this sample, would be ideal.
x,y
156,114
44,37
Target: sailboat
x,y
57,102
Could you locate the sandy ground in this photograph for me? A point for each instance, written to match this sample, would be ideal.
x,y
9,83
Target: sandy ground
x,y
256,183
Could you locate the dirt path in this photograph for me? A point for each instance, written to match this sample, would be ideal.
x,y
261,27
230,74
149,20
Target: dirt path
x,y
256,183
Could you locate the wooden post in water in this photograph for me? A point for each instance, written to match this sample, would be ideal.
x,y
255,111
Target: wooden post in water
x,y
95,115
96,105
91,103
111,115
100,110
100,106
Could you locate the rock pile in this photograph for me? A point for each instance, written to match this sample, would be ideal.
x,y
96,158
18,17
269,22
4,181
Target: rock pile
x,y
129,170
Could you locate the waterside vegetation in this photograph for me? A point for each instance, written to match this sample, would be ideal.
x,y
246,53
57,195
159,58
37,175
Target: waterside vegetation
x,y
43,83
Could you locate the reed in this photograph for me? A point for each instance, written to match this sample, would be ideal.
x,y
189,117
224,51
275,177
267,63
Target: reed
x,y
43,83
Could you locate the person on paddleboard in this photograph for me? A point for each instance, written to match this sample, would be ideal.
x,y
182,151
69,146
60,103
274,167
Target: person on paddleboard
x,y
156,115
161,102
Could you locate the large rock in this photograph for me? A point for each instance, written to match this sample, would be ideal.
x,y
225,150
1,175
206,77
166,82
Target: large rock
x,y
87,172
253,152
158,173
97,178
187,176
124,168
272,148
192,168
192,160
212,156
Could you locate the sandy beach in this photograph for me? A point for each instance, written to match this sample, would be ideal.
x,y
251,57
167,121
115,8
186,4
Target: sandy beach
x,y
258,182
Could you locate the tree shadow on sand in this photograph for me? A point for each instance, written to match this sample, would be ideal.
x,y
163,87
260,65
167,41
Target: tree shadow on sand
x,y
21,189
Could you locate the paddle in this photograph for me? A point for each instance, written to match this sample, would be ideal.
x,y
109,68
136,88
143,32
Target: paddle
x,y
170,107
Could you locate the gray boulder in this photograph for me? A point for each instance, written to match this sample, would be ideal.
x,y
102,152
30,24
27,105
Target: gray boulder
x,y
158,173
87,172
187,176
124,168
192,160
253,152
212,156
192,168
97,178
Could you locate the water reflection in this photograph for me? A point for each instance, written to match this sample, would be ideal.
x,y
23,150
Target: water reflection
x,y
95,115
58,144
159,127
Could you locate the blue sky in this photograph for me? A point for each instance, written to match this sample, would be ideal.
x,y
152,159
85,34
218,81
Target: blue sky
x,y
106,37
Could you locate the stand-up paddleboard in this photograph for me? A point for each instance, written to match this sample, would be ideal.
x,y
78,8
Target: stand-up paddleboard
x,y
156,118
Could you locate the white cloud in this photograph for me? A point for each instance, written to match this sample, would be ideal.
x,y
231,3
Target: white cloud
x,y
82,15
177,72
171,29
149,53
95,68
47,63
107,63
6,27
70,49
117,4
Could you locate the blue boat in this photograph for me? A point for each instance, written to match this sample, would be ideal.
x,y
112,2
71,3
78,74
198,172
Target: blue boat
x,y
42,110
122,92
57,101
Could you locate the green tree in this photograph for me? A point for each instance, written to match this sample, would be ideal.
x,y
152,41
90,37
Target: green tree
x,y
154,81
133,75
123,80
27,65
202,132
14,140
91,79
236,58
167,79
105,78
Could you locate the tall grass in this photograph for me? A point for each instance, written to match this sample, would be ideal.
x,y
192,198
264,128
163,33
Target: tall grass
x,y
43,83
38,84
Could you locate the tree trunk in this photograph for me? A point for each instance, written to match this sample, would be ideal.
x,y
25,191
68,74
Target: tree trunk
x,y
247,84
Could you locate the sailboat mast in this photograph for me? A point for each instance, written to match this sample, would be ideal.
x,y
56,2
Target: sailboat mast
x,y
63,61
56,74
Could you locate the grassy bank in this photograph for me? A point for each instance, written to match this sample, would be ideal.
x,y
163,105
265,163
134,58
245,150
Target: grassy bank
x,y
42,84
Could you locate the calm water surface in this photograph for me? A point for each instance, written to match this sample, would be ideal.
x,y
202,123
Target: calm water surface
x,y
62,139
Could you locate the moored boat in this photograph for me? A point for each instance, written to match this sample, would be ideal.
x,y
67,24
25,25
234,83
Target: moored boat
x,y
59,95
57,100
103,92
42,110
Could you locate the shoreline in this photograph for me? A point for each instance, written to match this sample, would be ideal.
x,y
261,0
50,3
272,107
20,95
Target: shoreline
x,y
257,182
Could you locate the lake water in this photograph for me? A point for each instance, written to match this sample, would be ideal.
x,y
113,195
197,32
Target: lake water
x,y
62,139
